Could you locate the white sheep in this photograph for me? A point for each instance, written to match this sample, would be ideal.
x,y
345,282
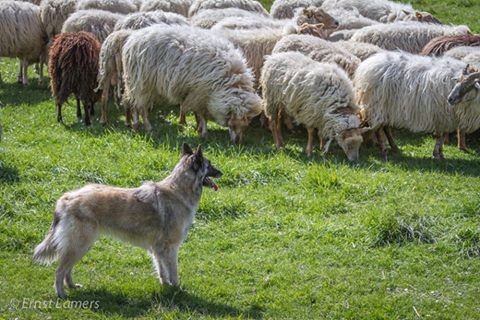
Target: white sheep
x,y
194,68
251,22
115,6
140,20
54,13
461,52
206,19
99,22
402,90
342,35
406,36
285,9
350,19
381,10
22,35
248,5
317,95
361,50
319,50
176,6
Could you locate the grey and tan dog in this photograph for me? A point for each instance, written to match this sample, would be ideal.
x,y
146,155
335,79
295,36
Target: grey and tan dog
x,y
155,216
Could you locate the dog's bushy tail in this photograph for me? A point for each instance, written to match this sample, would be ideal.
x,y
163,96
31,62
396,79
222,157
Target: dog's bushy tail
x,y
46,251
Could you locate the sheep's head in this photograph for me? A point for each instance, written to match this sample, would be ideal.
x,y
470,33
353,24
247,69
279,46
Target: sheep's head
x,y
249,107
350,141
468,84
315,15
426,17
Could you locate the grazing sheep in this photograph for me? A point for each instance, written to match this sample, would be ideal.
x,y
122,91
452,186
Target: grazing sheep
x,y
248,5
258,43
22,35
258,22
382,10
342,35
99,22
195,68
175,6
54,13
361,50
73,69
442,44
319,50
206,19
115,6
110,71
461,52
317,95
285,9
467,89
141,20
407,36
402,90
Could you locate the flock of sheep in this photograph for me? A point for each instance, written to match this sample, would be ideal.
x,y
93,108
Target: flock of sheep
x,y
348,69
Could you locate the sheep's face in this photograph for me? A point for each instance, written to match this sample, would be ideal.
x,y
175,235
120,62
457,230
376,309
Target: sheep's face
x,y
426,17
468,84
236,128
315,16
350,141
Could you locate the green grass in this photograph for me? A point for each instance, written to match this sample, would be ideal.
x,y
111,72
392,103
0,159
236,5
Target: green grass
x,y
284,237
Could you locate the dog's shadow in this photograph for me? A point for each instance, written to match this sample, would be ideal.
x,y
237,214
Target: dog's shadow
x,y
167,299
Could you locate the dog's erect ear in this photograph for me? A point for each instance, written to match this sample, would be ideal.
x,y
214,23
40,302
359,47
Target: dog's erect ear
x,y
197,159
186,150
199,152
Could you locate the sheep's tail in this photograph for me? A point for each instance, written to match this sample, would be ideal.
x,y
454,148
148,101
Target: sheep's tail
x,y
46,251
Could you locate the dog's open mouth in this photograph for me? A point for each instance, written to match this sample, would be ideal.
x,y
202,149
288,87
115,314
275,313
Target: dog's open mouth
x,y
208,181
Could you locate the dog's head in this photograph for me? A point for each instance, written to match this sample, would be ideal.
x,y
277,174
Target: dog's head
x,y
199,166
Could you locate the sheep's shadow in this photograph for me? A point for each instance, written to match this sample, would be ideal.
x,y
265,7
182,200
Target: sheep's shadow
x,y
8,175
167,298
17,94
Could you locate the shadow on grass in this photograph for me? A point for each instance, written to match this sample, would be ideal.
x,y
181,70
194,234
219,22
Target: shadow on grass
x,y
169,299
16,94
8,175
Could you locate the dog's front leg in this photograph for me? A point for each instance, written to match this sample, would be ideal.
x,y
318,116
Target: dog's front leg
x,y
160,265
171,260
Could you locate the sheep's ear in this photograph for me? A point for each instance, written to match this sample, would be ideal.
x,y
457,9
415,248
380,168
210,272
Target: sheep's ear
x,y
477,85
307,12
419,16
406,12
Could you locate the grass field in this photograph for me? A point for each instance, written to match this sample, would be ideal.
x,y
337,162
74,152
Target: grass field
x,y
285,236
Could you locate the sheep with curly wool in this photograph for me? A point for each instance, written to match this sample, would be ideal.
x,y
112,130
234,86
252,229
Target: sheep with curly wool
x,y
252,22
139,20
406,91
22,35
73,69
248,5
99,22
361,50
311,20
175,6
54,13
442,44
319,50
115,6
206,19
382,10
285,9
194,68
407,36
317,95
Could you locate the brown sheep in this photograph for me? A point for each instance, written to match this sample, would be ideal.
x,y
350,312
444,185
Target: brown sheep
x,y
440,45
73,69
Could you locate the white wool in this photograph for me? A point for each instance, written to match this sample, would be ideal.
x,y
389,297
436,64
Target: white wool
x,y
189,66
408,91
116,6
99,22
252,22
140,20
461,52
285,9
248,5
407,36
317,95
361,50
175,6
350,19
319,50
54,13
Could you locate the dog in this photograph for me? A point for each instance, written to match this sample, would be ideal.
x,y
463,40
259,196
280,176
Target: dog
x,y
154,216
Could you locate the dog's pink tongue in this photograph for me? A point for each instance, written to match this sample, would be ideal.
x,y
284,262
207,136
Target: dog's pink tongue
x,y
214,186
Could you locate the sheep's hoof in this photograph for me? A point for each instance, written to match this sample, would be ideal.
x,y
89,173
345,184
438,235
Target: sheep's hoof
x,y
464,149
396,150
438,156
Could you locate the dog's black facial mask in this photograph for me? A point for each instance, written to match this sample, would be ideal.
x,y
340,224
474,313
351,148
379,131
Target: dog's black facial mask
x,y
199,163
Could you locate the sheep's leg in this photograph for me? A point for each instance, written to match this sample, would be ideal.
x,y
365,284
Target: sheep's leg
x,y
462,144
146,122
182,120
278,129
104,105
25,72
136,123
288,122
438,150
20,71
322,142
391,142
309,149
381,144
59,112
128,116
79,110
202,125
86,110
